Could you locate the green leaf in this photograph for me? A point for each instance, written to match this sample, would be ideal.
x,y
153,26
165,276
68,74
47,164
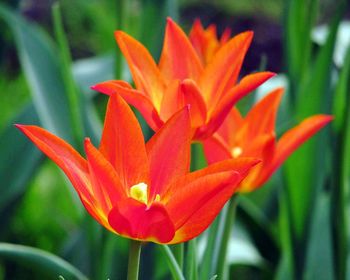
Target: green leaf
x,y
319,261
37,259
18,162
41,65
173,265
74,97
302,181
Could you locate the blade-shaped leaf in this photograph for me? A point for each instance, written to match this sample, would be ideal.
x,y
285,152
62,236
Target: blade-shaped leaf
x,y
40,64
47,263
19,160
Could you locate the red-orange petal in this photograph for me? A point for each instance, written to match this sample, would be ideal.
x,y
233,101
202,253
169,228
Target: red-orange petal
x,y
144,70
240,165
193,97
169,152
222,73
107,188
215,149
230,127
294,138
245,86
261,119
192,208
64,155
180,94
136,220
178,60
133,97
122,143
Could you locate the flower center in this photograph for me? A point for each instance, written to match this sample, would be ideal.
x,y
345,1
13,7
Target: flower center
x,y
139,192
236,152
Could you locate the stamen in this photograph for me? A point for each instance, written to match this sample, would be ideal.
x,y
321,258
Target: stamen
x,y
139,192
236,152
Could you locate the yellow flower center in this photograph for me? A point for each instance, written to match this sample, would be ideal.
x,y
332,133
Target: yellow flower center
x,y
139,192
236,152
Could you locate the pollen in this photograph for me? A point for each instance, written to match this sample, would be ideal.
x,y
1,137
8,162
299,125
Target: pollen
x,y
139,192
236,152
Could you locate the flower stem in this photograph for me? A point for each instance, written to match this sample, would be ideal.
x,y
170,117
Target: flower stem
x,y
134,260
225,238
173,265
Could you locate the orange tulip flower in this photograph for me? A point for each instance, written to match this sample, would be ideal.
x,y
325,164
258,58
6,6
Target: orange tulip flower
x,y
206,42
180,79
254,136
144,192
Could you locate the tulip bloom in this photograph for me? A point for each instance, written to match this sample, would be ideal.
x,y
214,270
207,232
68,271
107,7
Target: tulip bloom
x,y
254,136
206,42
144,192
180,79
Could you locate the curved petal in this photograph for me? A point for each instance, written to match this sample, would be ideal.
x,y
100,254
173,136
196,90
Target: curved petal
x,y
144,70
169,152
122,143
261,118
215,149
178,59
222,73
134,98
204,41
193,97
193,207
171,100
240,165
107,188
294,138
64,155
180,94
245,86
133,219
230,127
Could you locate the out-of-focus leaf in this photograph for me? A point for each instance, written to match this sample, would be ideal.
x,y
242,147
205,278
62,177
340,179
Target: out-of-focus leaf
x,y
340,104
90,71
47,263
40,63
302,180
241,250
297,37
18,161
319,262
73,94
319,35
341,161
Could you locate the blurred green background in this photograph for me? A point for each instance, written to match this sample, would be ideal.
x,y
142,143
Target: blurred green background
x,y
51,52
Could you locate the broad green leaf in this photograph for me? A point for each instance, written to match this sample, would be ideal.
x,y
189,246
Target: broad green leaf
x,y
51,265
40,63
319,262
341,162
18,161
73,95
302,180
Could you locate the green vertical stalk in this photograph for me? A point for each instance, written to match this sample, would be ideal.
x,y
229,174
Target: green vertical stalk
x,y
134,260
192,267
122,16
222,270
67,75
178,251
173,265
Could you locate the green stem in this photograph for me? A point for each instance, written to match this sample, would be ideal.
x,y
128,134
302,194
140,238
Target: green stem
x,y
134,260
173,265
178,251
225,238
